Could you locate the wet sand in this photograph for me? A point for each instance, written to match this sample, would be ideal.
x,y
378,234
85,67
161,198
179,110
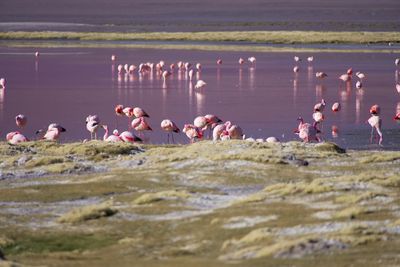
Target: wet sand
x,y
189,15
66,85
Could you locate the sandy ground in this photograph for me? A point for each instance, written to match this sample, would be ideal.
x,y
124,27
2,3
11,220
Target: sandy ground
x,y
189,15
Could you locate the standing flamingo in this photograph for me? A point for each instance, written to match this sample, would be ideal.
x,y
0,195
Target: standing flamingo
x,y
252,60
191,73
201,122
375,122
21,120
297,59
198,67
92,125
398,88
119,112
235,132
241,61
358,85
296,69
360,75
15,138
217,131
166,74
192,132
321,75
219,61
397,61
310,59
170,127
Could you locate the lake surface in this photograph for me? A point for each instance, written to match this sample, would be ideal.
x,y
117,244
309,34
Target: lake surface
x,y
191,15
65,85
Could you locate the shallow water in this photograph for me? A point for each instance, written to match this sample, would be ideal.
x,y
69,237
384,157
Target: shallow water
x,y
65,85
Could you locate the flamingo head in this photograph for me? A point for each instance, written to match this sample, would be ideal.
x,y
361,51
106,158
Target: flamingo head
x,y
115,132
375,110
118,109
397,117
349,71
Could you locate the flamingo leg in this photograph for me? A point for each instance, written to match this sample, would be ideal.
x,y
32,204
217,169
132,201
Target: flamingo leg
x,y
172,135
372,135
380,135
95,135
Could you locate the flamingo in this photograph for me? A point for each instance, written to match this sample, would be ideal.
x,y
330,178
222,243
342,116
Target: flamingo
x,y
188,65
198,67
359,85
166,74
139,112
120,69
321,75
318,117
398,88
201,122
320,106
172,67
3,83
129,137
192,132
241,61
336,107
397,61
119,112
252,60
376,122
191,73
297,59
307,132
132,69
217,131
296,69
21,120
52,134
272,139
170,127
375,110
200,84
15,138
345,77
225,135
235,132
335,131
140,125
360,75
113,57
114,138
180,65
310,59
92,125
219,61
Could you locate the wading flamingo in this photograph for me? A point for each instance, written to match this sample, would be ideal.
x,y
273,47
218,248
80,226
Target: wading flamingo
x,y
217,131
307,132
296,69
139,112
140,125
21,120
321,75
170,127
200,84
92,125
376,122
320,106
358,85
336,107
241,61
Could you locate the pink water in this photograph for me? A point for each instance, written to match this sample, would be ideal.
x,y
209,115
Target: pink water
x,y
66,85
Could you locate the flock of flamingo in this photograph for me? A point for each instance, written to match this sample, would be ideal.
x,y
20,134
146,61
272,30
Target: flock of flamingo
x,y
218,130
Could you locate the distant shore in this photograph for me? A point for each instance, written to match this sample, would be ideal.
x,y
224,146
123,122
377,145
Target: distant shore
x,y
260,41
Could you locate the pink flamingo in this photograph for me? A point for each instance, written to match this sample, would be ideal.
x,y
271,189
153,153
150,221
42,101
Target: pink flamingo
x,y
296,69
241,61
336,107
119,112
129,137
360,75
397,117
113,57
219,61
166,74
140,125
358,85
37,54
307,132
397,61
15,138
188,65
212,121
310,59
375,110
180,65
297,59
192,132
198,67
170,127
200,84
321,75
252,60
114,138
201,122
235,132
335,131
92,125
398,88
21,120
191,73
128,111
139,112
376,122
217,131
3,83
52,134
172,67
320,106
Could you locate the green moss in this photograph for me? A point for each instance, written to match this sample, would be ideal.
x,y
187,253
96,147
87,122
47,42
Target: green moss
x,y
154,197
383,156
53,242
88,213
316,186
329,147
44,161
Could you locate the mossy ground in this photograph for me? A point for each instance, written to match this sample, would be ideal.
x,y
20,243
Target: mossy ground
x,y
213,204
